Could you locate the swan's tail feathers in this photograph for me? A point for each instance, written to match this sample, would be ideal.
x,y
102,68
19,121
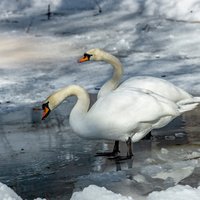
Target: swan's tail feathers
x,y
188,104
196,99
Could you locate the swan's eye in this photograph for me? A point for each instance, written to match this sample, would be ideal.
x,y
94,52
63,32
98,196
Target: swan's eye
x,y
44,105
86,55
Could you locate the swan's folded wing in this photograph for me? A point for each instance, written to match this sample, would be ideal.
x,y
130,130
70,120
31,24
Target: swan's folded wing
x,y
127,109
158,86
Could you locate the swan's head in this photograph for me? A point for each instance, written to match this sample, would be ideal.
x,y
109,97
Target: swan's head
x,y
56,98
92,54
48,105
46,110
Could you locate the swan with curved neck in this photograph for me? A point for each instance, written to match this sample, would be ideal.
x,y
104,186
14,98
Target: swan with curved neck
x,y
122,115
153,84
99,55
156,85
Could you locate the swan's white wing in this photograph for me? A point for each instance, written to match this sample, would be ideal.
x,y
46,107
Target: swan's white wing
x,y
123,113
158,86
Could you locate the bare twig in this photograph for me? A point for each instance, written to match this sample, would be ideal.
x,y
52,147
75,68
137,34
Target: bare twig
x,y
185,21
193,158
49,12
99,7
29,26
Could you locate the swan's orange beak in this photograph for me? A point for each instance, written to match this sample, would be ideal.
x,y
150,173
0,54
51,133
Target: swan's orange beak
x,y
83,59
46,111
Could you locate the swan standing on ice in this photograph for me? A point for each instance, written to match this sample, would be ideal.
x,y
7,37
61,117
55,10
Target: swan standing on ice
x,y
121,115
156,85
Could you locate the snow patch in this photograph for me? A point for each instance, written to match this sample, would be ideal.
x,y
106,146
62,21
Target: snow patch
x,y
178,192
173,9
98,193
7,193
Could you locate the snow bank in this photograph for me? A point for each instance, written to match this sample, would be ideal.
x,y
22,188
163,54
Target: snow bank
x,y
7,193
180,10
15,5
98,193
8,7
178,192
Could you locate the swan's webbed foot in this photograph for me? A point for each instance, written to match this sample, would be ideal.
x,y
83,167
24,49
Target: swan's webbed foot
x,y
106,154
129,152
121,158
114,153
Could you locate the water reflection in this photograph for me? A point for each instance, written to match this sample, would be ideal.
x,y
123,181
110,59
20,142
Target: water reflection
x,y
36,160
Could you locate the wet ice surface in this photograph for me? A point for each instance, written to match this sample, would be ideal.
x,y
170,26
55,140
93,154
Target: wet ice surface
x,y
48,160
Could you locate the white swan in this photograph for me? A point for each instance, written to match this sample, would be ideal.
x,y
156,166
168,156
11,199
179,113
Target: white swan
x,y
122,115
156,85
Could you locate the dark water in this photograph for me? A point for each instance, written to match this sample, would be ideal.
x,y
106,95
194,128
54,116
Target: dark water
x,y
44,160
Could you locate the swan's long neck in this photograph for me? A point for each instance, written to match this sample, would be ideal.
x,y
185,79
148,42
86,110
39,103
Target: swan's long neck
x,y
82,105
79,111
117,73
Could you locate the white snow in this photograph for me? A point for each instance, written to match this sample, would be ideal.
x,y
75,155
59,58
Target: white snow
x,y
145,45
98,193
173,9
152,37
7,193
178,192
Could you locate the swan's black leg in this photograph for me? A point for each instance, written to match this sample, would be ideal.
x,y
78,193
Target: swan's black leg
x,y
129,148
129,152
116,147
113,153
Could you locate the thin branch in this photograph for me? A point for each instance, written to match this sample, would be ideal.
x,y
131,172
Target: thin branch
x,y
99,7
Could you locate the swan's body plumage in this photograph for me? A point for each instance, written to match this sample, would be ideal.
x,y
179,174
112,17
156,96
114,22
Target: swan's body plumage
x,y
124,113
119,115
